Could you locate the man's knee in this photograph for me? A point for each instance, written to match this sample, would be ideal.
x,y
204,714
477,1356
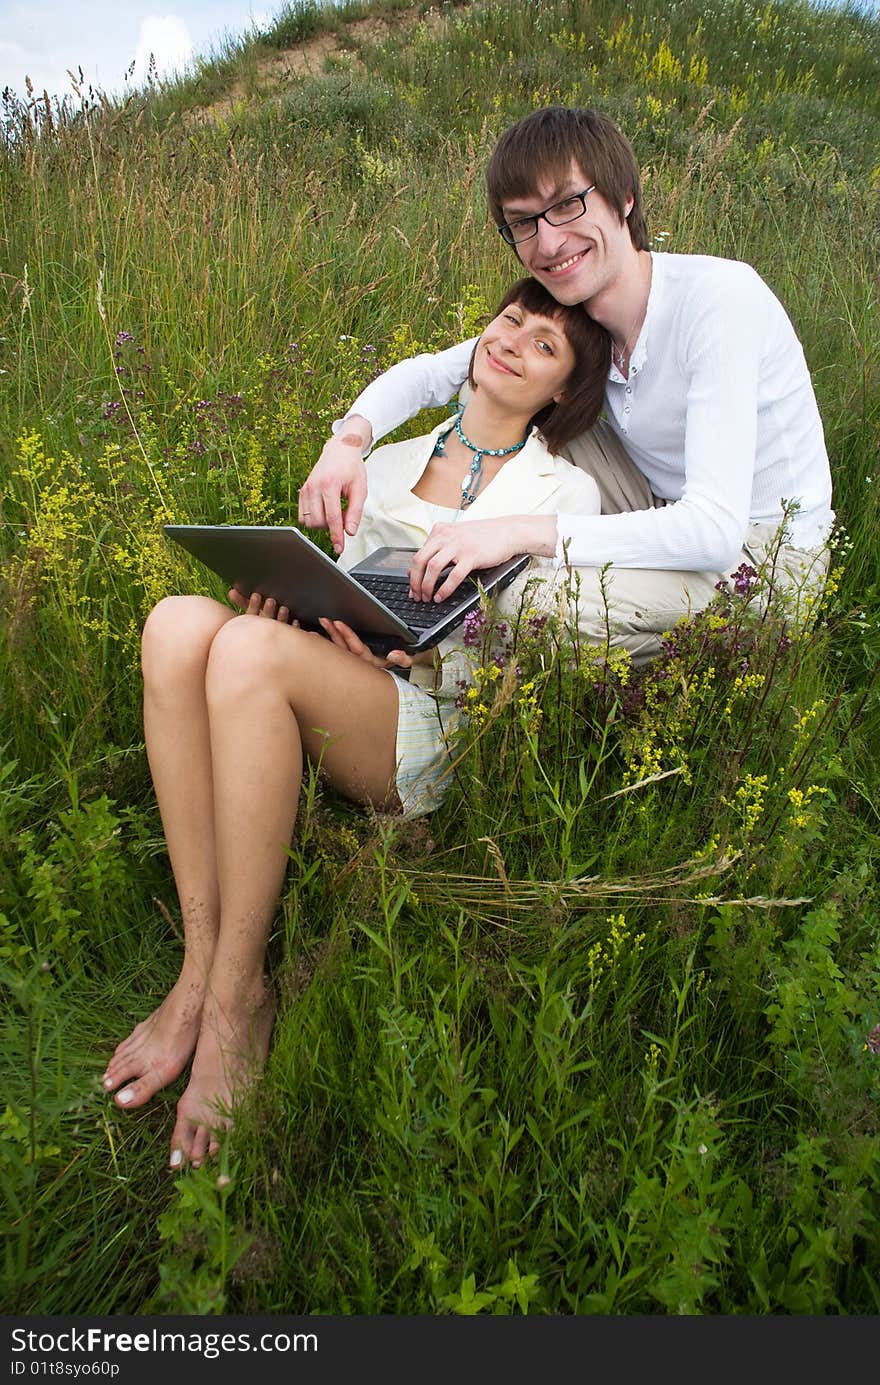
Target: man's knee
x,y
628,608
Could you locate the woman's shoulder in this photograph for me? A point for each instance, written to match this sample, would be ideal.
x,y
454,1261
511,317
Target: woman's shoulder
x,y
562,466
391,454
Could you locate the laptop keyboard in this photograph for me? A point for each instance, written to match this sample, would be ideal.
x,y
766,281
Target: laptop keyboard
x,y
418,615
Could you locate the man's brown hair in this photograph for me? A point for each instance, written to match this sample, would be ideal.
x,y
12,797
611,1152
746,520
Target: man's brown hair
x,y
584,390
542,146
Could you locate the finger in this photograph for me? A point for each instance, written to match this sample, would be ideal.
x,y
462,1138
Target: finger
x,y
332,505
284,615
254,604
345,637
352,641
453,581
270,608
417,571
237,598
327,626
310,509
399,658
426,566
356,497
434,572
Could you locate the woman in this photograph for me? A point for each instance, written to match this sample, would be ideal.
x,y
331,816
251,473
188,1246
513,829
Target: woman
x,y
232,705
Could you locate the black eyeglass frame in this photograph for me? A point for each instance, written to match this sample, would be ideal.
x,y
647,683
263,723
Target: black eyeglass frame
x,y
505,230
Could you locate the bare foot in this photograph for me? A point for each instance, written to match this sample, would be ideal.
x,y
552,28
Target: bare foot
x,y
158,1049
231,1050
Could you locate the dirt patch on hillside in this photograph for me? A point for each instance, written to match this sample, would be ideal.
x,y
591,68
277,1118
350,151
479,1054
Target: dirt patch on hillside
x,y
277,70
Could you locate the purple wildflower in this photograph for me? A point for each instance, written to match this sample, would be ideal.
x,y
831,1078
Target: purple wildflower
x,y
474,627
744,579
873,1040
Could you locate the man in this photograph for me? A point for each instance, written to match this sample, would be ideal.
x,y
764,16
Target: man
x,y
712,437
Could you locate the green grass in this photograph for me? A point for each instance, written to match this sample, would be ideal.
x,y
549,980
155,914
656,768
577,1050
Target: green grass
x,y
589,1039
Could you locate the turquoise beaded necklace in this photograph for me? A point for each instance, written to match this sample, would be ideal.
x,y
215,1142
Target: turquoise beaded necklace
x,y
470,483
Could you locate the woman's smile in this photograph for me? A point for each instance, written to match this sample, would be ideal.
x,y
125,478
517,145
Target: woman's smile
x,y
498,364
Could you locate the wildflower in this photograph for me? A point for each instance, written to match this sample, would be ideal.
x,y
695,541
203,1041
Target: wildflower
x,y
474,627
750,799
872,1042
744,579
122,338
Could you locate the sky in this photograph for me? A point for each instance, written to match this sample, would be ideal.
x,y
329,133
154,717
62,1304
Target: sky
x,y
44,38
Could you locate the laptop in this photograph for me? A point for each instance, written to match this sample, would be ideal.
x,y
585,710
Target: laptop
x,y
372,597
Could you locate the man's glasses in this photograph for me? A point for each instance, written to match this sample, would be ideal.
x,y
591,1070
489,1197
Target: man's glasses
x,y
569,209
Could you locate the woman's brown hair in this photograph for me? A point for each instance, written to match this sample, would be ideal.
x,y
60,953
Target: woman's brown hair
x,y
584,390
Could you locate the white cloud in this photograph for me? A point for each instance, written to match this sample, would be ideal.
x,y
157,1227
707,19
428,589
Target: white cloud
x,y
167,41
46,38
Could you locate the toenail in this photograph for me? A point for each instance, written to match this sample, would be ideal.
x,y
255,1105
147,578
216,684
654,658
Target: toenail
x,y
176,1158
108,1082
125,1097
197,1163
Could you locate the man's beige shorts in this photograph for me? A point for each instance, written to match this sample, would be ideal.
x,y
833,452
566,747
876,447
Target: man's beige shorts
x,y
639,605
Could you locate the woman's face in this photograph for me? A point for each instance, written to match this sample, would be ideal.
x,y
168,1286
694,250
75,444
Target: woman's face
x,y
524,359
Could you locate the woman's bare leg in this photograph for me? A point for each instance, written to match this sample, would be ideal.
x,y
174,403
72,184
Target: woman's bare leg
x,y
177,640
273,694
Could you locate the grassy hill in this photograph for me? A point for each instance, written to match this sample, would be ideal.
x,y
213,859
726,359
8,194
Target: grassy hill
x,y
599,1036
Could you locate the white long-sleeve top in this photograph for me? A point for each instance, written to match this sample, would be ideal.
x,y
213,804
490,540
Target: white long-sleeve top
x,y
718,413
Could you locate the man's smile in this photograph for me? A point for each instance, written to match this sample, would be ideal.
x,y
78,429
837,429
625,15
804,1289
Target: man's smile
x,y
565,264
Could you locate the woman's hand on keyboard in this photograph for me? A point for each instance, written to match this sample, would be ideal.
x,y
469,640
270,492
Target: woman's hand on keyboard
x,y
344,638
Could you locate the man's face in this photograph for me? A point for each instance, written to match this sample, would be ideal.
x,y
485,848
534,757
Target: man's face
x,y
582,258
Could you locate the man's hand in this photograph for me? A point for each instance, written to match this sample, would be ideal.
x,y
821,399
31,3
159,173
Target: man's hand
x,y
344,638
339,472
479,543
